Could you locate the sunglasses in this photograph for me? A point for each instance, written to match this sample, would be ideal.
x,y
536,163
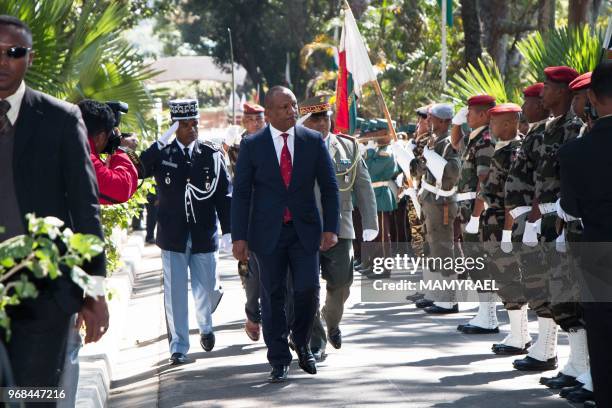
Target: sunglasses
x,y
15,52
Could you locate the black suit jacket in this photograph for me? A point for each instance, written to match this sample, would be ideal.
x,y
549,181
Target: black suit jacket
x,y
260,196
54,176
586,192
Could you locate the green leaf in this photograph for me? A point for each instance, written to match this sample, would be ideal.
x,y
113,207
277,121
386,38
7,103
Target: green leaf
x,y
86,245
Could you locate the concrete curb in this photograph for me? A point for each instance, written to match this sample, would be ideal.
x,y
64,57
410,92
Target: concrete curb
x,y
96,360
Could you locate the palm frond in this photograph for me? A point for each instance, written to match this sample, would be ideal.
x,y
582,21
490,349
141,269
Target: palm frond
x,y
578,48
486,79
79,54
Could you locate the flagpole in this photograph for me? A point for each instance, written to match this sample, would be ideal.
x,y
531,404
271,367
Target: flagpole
x,y
229,31
381,99
444,47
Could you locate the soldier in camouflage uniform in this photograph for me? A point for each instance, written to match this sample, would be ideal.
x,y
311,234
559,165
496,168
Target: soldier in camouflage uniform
x,y
440,173
501,265
565,126
563,288
477,149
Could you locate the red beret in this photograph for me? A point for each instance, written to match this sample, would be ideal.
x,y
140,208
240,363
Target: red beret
x,y
582,82
534,90
505,108
481,100
252,109
560,74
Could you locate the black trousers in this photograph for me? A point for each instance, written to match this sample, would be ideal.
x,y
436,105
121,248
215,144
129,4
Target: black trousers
x,y
598,319
288,254
37,345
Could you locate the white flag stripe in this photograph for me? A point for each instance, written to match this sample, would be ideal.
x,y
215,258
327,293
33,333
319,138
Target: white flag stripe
x,y
357,58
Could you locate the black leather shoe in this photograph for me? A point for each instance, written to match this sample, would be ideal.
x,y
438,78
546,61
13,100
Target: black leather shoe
x,y
306,360
505,350
589,404
177,358
470,329
279,373
319,355
365,271
568,390
531,364
207,341
580,395
433,309
423,303
384,275
559,381
335,338
415,297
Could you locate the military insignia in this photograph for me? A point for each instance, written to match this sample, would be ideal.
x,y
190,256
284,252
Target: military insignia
x,y
169,163
167,179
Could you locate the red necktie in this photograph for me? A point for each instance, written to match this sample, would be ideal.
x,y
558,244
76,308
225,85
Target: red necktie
x,y
286,168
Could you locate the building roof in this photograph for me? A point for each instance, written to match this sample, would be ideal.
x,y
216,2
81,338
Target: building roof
x,y
194,68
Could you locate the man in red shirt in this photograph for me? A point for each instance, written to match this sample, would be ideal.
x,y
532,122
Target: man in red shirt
x,y
117,176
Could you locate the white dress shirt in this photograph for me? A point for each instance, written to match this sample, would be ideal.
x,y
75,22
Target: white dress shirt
x,y
279,142
15,101
182,146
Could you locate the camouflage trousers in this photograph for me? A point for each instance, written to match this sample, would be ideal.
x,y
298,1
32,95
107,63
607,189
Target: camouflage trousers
x,y
471,244
501,267
564,283
548,278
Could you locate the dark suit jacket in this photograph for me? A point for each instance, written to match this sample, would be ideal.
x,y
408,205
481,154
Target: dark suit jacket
x,y
586,192
54,176
260,196
171,171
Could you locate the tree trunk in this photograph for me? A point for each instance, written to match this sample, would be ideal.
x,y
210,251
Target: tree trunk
x,y
578,12
471,31
546,15
494,14
595,9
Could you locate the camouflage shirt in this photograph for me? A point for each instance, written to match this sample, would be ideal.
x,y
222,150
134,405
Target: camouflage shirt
x,y
492,191
476,159
520,185
558,131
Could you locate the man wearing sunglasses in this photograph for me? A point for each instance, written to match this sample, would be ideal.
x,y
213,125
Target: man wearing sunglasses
x,y
44,169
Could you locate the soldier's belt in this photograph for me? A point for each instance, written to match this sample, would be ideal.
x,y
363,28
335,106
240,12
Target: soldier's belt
x,y
470,195
437,191
382,184
518,211
548,208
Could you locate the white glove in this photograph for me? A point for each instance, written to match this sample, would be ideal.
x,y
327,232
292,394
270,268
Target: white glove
x,y
560,244
506,242
460,117
435,163
403,156
371,145
562,214
399,180
165,138
362,149
226,243
530,236
232,135
412,193
369,235
472,225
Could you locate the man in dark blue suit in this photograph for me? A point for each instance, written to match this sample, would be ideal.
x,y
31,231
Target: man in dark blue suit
x,y
274,215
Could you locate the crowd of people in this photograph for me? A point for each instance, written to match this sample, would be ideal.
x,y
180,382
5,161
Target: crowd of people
x,y
293,201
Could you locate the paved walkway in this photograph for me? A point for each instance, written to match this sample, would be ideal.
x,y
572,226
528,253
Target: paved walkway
x,y
393,355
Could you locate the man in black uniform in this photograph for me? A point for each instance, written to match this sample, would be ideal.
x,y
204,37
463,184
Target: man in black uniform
x,y
586,195
190,175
